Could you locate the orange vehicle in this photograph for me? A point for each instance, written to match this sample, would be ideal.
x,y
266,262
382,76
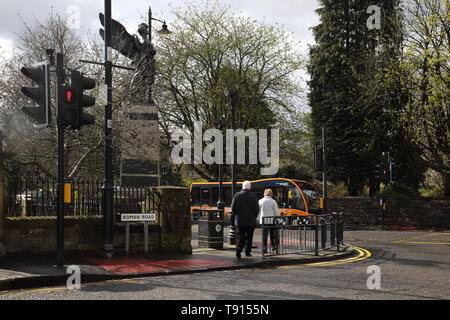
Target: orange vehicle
x,y
294,197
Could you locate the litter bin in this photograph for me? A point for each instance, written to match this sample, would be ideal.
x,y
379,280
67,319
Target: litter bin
x,y
210,229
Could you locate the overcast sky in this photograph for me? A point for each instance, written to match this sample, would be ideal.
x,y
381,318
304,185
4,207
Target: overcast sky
x,y
296,15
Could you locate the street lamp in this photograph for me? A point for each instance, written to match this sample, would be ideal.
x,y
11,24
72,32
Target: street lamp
x,y
164,30
220,203
232,94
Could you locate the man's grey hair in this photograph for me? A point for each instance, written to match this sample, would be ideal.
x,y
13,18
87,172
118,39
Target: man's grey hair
x,y
246,185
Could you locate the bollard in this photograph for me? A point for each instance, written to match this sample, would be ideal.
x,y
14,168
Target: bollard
x,y
316,236
333,228
340,229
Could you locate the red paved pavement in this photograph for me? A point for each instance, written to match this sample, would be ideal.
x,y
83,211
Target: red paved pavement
x,y
127,265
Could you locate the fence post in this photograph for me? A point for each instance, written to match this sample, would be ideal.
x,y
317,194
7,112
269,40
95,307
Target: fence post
x,y
333,228
340,229
323,229
316,236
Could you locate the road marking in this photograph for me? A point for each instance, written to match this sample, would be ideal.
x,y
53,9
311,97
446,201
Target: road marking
x,y
424,242
363,254
52,289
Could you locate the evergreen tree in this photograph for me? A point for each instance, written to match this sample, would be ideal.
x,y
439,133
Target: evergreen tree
x,y
346,95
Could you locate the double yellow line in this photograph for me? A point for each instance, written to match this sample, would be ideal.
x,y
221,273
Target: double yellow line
x,y
423,237
363,254
65,288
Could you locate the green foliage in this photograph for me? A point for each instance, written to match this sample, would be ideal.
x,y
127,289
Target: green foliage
x,y
212,49
358,97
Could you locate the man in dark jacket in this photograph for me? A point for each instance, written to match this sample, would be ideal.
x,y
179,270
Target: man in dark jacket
x,y
245,209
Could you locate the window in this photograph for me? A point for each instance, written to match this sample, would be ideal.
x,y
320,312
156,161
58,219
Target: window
x,y
215,195
296,200
227,195
280,195
195,196
206,196
311,196
259,192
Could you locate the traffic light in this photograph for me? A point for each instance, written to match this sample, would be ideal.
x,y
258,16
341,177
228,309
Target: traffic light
x,y
377,172
385,174
318,158
68,110
393,172
73,101
39,93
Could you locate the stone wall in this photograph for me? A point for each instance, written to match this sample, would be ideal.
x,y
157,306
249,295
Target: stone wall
x,y
419,213
170,233
37,235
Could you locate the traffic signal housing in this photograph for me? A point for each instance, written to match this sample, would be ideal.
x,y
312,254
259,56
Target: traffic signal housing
x,y
385,174
318,158
393,172
73,101
39,93
377,172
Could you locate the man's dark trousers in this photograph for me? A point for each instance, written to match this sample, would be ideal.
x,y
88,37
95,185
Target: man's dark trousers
x,y
245,236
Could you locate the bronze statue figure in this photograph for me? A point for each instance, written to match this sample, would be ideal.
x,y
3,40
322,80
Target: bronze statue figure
x,y
142,54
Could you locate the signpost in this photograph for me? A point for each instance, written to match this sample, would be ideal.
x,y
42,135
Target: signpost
x,y
136,217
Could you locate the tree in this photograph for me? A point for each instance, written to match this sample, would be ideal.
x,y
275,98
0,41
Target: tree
x,y
346,95
210,50
36,149
424,72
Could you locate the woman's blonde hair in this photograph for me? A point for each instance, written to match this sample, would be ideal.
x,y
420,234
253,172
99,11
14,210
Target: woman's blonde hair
x,y
268,192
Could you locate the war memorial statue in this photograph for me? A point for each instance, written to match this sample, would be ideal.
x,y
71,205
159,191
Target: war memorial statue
x,y
140,149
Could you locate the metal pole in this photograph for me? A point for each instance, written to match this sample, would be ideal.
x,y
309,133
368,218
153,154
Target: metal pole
x,y
150,24
220,203
127,237
108,183
232,232
145,237
60,217
324,173
233,167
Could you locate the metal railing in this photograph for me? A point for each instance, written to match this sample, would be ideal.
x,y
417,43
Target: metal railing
x,y
34,198
310,233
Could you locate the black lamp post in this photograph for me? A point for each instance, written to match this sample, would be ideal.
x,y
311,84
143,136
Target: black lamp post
x,y
232,94
220,203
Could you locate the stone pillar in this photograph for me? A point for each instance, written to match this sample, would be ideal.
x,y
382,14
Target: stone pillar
x,y
2,247
140,157
171,205
3,156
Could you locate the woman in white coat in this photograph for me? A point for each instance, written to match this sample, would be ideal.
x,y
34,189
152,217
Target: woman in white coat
x,y
268,208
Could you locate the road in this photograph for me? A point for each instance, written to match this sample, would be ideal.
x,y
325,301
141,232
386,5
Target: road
x,y
408,265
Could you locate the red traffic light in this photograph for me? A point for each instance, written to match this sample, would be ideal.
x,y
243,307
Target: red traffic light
x,y
69,95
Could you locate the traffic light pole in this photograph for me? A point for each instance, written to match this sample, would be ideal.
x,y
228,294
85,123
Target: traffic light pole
x,y
324,173
108,183
60,218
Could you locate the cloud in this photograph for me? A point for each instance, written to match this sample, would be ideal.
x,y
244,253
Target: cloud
x,y
296,15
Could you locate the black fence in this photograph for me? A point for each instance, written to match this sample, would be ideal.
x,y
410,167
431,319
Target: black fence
x,y
39,198
310,233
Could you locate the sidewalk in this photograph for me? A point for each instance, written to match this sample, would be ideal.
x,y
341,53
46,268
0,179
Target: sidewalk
x,y
26,273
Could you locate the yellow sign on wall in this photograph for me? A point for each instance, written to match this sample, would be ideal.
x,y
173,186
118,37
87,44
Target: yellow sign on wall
x,y
67,193
321,203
